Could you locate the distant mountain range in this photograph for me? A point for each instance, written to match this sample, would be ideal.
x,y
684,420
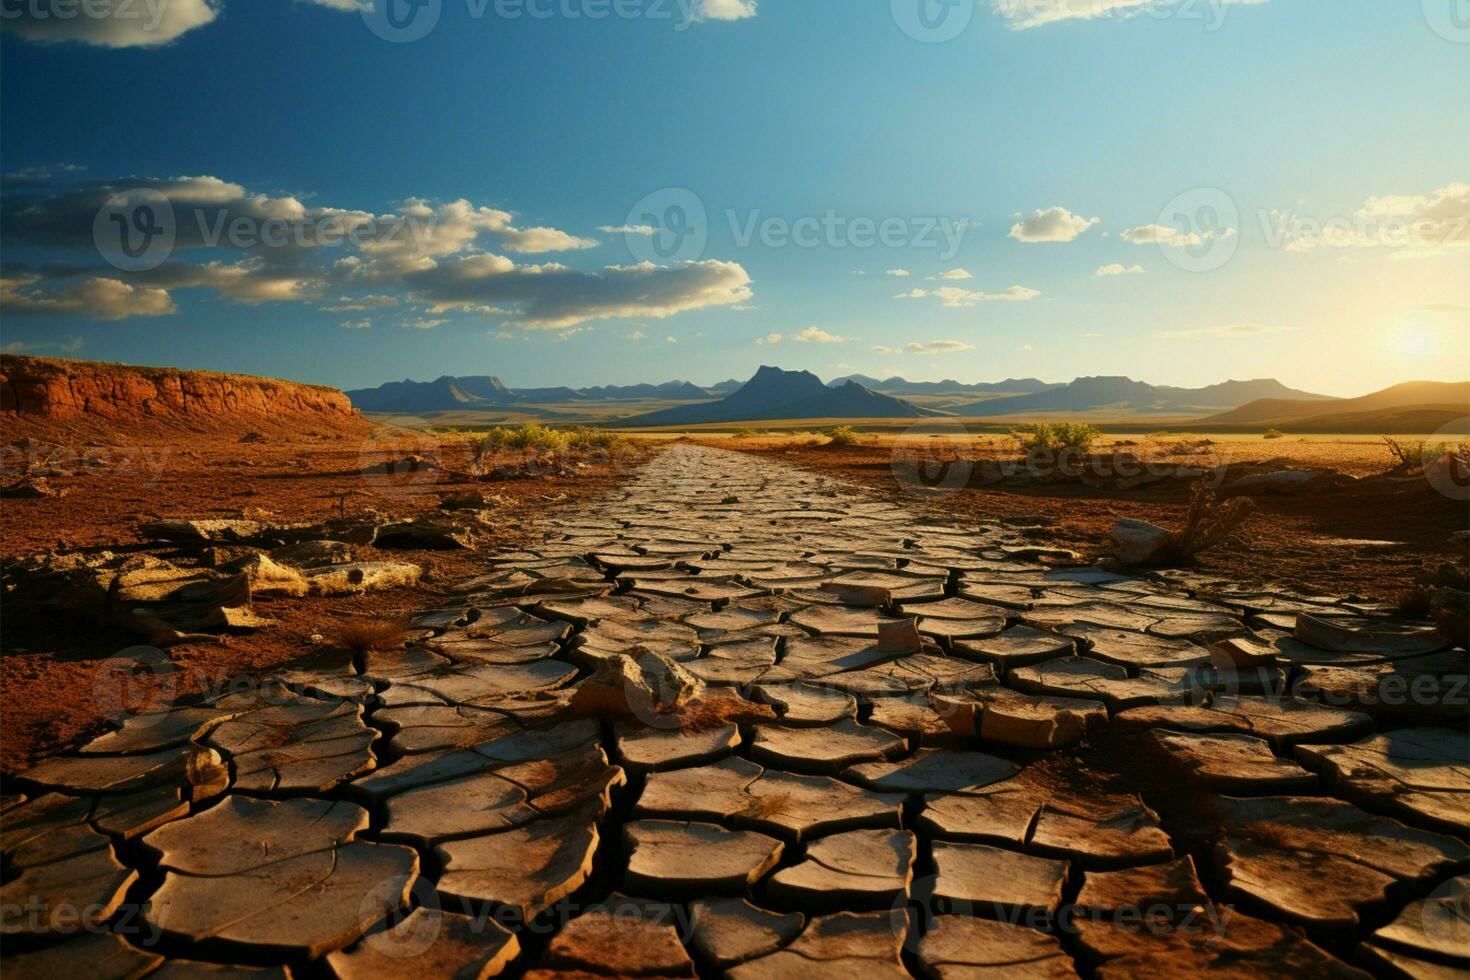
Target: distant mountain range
x,y
1125,395
902,386
1425,398
776,394
449,394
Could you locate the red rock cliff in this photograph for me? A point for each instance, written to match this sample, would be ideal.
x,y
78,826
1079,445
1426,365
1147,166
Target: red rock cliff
x,y
41,391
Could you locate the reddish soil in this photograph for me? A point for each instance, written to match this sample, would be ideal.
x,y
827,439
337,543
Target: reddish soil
x,y
48,662
1333,543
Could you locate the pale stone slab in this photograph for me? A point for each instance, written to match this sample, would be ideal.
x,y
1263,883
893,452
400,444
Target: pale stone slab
x,y
528,869
677,858
852,870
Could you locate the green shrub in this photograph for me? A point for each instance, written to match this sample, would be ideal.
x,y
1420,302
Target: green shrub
x,y
843,435
746,433
1054,436
1274,434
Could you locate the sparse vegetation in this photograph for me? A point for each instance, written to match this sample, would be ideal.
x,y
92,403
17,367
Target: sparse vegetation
x,y
1050,437
842,436
541,438
1409,453
1208,522
1273,434
362,635
746,433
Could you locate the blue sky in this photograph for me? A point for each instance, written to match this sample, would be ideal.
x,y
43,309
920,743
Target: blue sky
x,y
1278,188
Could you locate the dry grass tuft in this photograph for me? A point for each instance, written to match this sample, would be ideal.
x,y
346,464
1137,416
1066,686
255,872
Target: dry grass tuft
x,y
362,635
1208,522
767,806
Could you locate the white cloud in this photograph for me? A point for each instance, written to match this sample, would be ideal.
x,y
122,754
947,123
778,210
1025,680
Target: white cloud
x,y
1173,237
1118,269
627,229
1415,226
1051,225
671,340
1225,331
556,297
1025,14
96,299
814,335
770,338
528,240
425,253
931,348
109,23
953,297
363,324
636,335
725,9
898,273
362,304
424,323
953,275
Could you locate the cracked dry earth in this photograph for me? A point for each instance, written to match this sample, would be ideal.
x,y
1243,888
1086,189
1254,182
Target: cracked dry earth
x,y
1047,778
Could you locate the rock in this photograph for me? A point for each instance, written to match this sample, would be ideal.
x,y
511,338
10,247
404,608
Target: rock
x,y
977,879
669,858
619,942
1235,764
1141,543
424,536
857,869
1417,774
741,793
354,578
268,577
1435,927
1046,813
866,596
1319,862
32,488
77,892
402,466
933,771
641,686
846,944
958,947
645,749
1282,722
527,870
315,554
730,931
822,750
429,942
1158,921
276,878
1325,635
1238,652
95,955
203,532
